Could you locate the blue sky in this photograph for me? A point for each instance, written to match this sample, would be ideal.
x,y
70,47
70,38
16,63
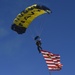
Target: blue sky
x,y
18,53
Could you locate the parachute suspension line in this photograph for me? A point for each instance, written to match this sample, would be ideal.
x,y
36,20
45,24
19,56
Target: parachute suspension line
x,y
38,29
31,34
35,29
41,30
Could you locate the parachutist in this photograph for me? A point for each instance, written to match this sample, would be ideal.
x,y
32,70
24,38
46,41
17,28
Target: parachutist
x,y
38,43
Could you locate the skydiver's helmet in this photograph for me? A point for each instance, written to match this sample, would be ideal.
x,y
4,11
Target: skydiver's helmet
x,y
18,29
37,38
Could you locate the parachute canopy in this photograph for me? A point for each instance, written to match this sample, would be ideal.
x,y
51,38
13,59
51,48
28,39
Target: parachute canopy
x,y
23,19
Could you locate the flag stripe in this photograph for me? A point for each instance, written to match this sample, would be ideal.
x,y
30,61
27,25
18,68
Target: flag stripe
x,y
52,60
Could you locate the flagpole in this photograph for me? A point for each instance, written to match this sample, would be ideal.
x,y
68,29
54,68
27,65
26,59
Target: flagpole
x,y
50,72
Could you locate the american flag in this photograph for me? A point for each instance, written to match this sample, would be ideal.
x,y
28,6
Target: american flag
x,y
52,60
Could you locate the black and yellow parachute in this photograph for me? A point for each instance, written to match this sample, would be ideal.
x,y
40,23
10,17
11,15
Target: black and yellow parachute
x,y
23,19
